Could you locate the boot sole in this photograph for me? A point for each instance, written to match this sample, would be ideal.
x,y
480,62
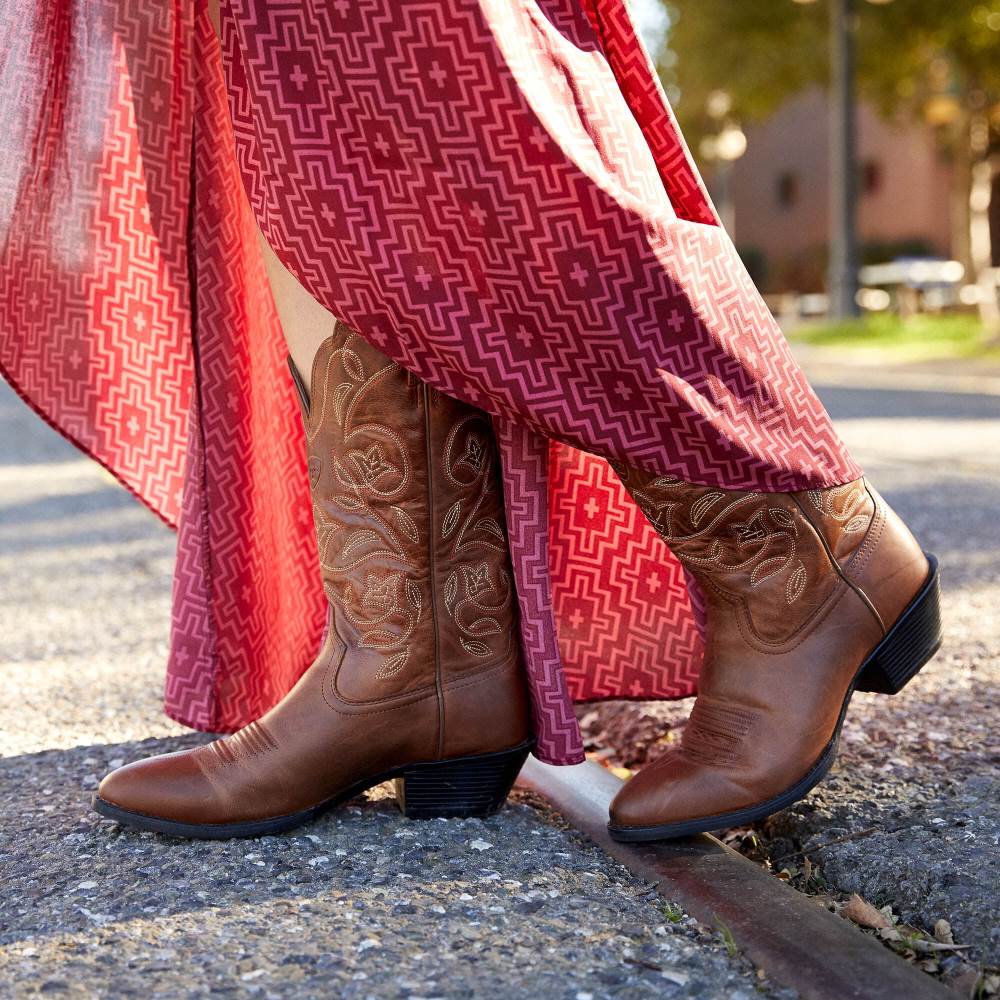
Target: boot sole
x,y
906,647
463,786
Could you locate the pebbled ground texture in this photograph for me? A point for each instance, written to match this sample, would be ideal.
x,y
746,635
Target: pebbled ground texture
x,y
362,903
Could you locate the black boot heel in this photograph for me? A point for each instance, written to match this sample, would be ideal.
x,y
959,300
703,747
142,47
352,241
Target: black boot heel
x,y
465,786
909,644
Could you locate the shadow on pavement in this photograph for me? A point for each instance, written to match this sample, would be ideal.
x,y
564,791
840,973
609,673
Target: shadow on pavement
x,y
69,869
957,524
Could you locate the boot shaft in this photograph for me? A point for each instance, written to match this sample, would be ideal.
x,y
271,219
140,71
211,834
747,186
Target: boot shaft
x,y
756,555
409,523
777,559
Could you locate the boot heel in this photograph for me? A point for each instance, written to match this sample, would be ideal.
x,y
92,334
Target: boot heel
x,y
909,644
466,786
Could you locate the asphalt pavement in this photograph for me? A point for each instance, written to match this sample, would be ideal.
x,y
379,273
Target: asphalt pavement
x,y
362,903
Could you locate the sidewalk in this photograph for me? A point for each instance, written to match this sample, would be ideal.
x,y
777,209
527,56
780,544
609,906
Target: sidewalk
x,y
833,366
362,903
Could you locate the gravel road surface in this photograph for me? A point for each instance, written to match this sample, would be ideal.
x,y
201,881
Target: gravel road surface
x,y
362,903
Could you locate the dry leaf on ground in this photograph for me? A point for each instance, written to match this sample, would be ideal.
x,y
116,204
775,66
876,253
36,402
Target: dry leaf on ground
x,y
862,912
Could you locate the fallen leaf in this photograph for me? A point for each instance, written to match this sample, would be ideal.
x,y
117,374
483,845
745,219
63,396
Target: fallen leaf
x,y
863,913
939,946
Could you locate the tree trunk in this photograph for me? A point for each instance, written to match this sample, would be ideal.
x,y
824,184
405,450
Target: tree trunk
x,y
980,245
961,184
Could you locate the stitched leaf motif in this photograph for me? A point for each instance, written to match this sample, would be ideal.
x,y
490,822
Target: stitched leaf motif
x,y
782,518
475,648
406,524
352,365
490,525
767,569
346,502
413,596
392,665
796,584
702,506
451,519
358,539
485,626
379,639
451,592
340,395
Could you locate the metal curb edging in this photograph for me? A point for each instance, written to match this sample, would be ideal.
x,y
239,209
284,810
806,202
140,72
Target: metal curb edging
x,y
797,942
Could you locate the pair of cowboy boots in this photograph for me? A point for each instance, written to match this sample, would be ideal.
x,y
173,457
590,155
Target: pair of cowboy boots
x,y
810,596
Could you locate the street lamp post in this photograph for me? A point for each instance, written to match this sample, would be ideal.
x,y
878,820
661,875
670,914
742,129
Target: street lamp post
x,y
843,268
842,276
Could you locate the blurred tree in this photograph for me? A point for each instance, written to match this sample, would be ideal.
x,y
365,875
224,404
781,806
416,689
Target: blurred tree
x,y
936,60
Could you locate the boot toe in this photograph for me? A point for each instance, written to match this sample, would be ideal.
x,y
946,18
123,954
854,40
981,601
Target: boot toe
x,y
650,797
675,790
171,787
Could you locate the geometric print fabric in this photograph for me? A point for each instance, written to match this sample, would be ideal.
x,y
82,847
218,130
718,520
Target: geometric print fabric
x,y
496,194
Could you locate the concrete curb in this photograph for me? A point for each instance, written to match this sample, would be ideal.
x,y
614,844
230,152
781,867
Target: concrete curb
x,y
797,942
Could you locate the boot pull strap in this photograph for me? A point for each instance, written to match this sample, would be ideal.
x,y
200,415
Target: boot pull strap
x,y
300,385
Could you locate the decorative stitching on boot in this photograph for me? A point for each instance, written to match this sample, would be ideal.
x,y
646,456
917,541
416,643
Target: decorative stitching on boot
x,y
373,477
715,733
247,743
468,588
762,531
860,558
741,532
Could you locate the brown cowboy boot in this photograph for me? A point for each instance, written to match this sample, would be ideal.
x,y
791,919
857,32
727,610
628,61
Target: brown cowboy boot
x,y
420,677
810,596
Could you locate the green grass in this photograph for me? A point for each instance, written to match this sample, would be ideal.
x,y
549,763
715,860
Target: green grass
x,y
727,938
919,338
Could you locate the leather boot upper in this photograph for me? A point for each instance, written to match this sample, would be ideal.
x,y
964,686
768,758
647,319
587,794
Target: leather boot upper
x,y
799,588
421,660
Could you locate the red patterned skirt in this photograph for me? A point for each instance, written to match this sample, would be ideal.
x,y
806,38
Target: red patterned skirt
x,y
496,194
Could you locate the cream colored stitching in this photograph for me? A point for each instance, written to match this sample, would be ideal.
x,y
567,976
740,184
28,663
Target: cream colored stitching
x,y
474,616
365,473
770,533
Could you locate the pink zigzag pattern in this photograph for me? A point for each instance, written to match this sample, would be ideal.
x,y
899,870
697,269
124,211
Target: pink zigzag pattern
x,y
498,197
495,193
238,606
525,459
629,623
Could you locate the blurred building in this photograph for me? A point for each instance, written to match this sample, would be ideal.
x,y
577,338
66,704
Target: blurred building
x,y
779,192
